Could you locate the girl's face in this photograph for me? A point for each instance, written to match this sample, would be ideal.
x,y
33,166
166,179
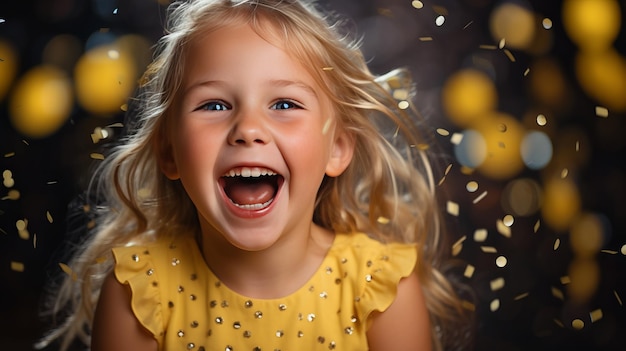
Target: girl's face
x,y
253,135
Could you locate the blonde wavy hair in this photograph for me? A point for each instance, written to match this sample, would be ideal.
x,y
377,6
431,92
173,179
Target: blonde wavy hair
x,y
387,191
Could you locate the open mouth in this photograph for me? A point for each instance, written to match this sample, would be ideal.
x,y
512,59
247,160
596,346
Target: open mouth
x,y
251,188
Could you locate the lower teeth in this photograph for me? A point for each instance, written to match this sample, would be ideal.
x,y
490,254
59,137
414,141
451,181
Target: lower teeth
x,y
254,206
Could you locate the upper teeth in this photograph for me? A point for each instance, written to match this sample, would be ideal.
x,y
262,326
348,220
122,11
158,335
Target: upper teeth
x,y
247,172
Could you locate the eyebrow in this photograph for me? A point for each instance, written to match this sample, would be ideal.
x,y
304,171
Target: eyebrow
x,y
279,83
297,83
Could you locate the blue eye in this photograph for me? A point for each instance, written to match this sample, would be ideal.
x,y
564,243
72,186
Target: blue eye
x,y
214,106
284,105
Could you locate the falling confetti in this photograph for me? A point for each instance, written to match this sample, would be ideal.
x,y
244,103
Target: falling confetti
x,y
452,208
595,315
602,112
17,266
440,20
479,197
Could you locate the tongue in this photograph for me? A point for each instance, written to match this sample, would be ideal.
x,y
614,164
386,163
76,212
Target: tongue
x,y
249,192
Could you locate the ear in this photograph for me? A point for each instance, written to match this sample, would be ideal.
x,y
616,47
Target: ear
x,y
340,154
165,157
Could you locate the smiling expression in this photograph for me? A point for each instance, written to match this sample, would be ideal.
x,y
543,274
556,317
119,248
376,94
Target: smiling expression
x,y
252,138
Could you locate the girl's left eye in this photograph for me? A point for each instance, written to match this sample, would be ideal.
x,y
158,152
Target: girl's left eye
x,y
284,105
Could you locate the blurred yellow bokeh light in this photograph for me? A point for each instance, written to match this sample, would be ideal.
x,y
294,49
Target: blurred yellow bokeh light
x,y
514,23
8,67
42,101
467,96
586,235
561,204
592,24
503,136
104,77
602,74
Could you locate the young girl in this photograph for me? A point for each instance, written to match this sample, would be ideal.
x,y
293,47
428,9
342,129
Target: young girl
x,y
257,205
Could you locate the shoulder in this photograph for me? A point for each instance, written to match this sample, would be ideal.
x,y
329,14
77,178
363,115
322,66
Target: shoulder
x,y
115,326
405,324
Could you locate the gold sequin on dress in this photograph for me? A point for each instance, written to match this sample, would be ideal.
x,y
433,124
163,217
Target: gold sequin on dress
x,y
181,302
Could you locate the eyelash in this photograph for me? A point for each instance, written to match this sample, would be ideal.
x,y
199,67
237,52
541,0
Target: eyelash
x,y
286,104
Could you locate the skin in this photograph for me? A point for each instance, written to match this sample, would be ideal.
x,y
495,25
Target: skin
x,y
264,110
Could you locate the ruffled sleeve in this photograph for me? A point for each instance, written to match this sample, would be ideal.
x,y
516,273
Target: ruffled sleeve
x,y
384,267
135,267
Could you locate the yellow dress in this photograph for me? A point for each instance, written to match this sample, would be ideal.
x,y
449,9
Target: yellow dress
x,y
181,302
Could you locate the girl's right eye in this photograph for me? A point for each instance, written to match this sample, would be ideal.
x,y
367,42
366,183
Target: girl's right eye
x,y
214,106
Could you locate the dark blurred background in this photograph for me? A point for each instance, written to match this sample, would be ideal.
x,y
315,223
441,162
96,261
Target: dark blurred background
x,y
526,98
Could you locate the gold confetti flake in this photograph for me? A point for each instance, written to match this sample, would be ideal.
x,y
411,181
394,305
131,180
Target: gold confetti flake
x,y
468,24
401,94
49,217
417,4
22,230
578,324
501,43
115,125
557,293
65,268
619,300
327,126
96,156
558,322
602,112
488,47
508,220
471,186
51,182
443,132
520,296
403,105
25,142
469,271
327,68
425,38
564,173
503,229
610,252
479,197
12,195
458,245
541,120
17,266
509,54
596,315
526,72
577,146
623,249
546,23
494,305
456,138
537,225
501,261
496,284
9,154
557,243
488,249
452,208
480,235
382,220
124,107
440,20
34,241
565,280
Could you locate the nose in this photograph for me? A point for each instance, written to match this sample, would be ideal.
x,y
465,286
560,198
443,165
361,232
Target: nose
x,y
249,129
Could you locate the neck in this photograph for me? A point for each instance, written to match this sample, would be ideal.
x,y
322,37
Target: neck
x,y
274,272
